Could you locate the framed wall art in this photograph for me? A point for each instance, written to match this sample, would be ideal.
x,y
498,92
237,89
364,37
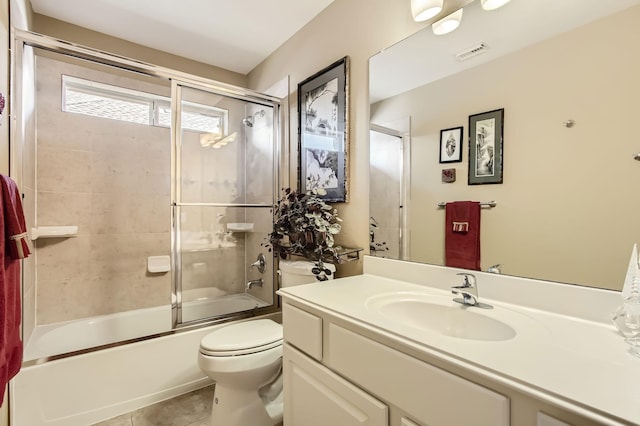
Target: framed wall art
x,y
486,147
323,127
451,145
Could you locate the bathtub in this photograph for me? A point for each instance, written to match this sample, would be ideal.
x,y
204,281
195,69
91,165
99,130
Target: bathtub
x,y
94,386
70,336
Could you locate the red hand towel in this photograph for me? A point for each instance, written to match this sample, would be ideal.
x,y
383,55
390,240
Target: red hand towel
x,y
462,235
13,247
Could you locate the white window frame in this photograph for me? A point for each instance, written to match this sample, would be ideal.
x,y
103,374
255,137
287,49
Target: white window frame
x,y
153,101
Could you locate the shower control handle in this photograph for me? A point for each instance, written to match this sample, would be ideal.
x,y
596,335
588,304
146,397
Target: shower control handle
x,y
260,263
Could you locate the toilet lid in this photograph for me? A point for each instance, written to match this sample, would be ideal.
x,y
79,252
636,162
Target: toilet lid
x,y
242,338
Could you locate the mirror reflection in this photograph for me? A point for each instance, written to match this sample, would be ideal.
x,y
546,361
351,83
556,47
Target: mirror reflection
x,y
565,74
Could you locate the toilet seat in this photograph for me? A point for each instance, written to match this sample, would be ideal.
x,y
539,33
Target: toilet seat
x,y
242,338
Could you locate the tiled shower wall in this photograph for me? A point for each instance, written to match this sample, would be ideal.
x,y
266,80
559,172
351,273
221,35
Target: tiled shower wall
x,y
237,173
112,180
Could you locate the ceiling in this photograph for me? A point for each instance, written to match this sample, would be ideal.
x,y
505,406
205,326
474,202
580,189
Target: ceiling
x,y
232,34
425,57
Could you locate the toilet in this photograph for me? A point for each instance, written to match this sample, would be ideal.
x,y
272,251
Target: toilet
x,y
244,359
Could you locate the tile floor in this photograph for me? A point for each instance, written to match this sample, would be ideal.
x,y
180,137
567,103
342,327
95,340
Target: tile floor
x,y
191,409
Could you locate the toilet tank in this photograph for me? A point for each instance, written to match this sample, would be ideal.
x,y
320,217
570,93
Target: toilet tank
x,y
296,272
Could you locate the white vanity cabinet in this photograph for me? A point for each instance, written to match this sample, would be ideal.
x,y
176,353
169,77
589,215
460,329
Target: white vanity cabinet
x,y
373,349
315,396
354,380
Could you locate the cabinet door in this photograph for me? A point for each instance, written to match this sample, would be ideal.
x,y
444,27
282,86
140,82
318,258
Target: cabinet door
x,y
314,396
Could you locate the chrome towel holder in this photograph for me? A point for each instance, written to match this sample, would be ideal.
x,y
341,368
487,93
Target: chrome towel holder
x,y
487,204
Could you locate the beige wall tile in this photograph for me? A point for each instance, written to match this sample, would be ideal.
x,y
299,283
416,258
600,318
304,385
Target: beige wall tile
x,y
62,300
112,179
151,213
125,254
65,208
61,259
63,170
112,213
114,171
63,130
149,290
109,294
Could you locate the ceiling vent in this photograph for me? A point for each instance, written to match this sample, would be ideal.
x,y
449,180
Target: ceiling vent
x,y
472,51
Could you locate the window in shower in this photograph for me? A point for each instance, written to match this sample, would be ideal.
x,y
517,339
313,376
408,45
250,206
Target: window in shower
x,y
224,196
97,99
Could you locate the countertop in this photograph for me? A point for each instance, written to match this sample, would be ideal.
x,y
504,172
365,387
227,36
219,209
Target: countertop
x,y
580,364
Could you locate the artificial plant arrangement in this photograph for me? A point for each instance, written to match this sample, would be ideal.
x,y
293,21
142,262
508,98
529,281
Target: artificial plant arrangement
x,y
304,225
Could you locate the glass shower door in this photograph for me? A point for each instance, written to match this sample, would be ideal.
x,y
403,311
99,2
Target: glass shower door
x,y
225,181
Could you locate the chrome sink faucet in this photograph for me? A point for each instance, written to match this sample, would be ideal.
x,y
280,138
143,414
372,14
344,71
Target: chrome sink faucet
x,y
469,292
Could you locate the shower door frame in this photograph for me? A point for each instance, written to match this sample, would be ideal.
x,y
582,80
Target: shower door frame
x,y
21,38
176,203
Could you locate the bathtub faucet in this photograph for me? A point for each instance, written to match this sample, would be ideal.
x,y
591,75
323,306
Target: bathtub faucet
x,y
251,283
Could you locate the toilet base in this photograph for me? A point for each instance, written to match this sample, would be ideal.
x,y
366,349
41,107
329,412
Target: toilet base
x,y
234,407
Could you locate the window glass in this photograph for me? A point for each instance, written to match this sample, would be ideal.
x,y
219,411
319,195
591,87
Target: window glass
x,y
119,103
101,105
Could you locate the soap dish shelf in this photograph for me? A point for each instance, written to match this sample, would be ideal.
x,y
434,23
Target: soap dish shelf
x,y
54,232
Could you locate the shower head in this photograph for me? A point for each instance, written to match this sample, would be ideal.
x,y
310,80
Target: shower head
x,y
248,121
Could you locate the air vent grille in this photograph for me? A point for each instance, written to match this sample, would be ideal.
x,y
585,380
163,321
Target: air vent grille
x,y
472,51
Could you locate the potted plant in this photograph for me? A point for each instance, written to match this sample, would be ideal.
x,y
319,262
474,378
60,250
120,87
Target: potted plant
x,y
304,225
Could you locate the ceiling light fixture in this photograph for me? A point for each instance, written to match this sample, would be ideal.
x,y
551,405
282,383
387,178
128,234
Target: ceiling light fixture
x,y
425,9
493,4
448,23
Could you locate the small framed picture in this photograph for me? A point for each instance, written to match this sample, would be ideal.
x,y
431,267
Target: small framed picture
x,y
451,145
485,147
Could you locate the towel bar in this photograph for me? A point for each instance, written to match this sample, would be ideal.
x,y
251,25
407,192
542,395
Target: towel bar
x,y
488,204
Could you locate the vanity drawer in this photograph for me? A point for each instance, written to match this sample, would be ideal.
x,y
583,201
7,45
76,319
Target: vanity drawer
x,y
303,330
431,395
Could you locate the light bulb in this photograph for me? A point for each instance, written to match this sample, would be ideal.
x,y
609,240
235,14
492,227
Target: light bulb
x,y
448,23
425,9
493,4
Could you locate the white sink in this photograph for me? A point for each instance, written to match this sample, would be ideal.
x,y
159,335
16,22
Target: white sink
x,y
442,315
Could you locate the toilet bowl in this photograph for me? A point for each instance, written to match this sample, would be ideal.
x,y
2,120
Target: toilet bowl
x,y
245,361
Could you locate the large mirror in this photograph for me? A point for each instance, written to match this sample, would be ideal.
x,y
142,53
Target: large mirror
x,y
567,75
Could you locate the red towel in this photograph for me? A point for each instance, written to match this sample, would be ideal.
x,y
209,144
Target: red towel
x,y
13,233
462,235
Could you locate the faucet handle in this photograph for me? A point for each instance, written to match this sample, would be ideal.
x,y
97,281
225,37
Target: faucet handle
x,y
468,276
260,263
